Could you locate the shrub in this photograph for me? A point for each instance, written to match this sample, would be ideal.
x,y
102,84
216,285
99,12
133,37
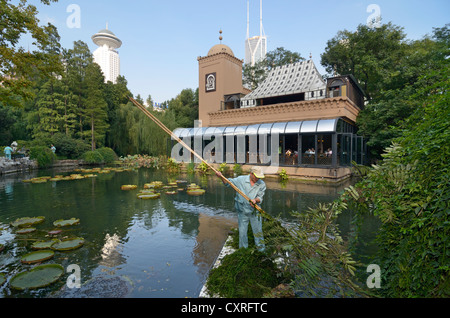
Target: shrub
x,y
108,154
68,147
93,157
43,155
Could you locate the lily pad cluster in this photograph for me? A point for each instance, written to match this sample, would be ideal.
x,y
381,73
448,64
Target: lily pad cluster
x,y
194,189
80,174
41,250
154,189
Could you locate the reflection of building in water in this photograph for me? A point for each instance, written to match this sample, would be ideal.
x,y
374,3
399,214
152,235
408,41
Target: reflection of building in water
x,y
212,233
111,255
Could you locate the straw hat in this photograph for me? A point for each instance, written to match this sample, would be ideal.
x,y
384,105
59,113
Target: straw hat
x,y
257,171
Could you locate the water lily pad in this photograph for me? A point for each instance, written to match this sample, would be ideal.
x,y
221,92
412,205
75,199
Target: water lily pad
x,y
154,184
42,245
2,279
2,247
195,191
171,192
146,191
69,244
72,221
40,276
39,181
128,187
26,230
193,186
27,221
37,257
149,196
54,232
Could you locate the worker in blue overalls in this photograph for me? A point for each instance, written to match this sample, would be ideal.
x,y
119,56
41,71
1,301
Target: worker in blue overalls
x,y
8,150
254,188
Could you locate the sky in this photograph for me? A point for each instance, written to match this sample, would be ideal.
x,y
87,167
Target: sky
x,y
162,39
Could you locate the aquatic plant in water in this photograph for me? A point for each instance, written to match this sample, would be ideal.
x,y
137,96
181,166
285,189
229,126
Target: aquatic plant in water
x,y
39,276
37,257
28,221
72,221
68,244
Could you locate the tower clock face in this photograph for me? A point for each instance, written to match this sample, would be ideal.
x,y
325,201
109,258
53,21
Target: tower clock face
x,y
210,83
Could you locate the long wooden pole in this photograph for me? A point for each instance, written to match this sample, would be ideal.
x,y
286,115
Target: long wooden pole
x,y
168,131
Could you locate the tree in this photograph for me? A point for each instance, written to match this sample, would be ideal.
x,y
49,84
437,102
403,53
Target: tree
x,y
370,54
77,60
47,111
380,119
17,64
252,76
184,107
95,111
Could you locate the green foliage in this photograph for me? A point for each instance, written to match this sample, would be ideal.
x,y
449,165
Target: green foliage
x,y
190,167
172,165
237,169
223,168
108,154
146,161
388,68
69,147
93,157
370,54
18,19
409,192
245,273
313,252
203,168
283,175
43,155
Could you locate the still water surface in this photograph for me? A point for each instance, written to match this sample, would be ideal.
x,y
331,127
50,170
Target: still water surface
x,y
133,247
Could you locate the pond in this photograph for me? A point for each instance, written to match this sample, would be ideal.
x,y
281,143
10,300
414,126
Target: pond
x,y
133,247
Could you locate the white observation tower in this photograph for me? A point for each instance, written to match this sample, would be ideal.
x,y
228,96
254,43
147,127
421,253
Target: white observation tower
x,y
106,55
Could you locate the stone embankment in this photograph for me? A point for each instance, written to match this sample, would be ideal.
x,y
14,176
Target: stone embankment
x,y
16,165
25,164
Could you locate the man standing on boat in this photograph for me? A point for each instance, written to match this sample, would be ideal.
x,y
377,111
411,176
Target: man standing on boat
x,y
254,188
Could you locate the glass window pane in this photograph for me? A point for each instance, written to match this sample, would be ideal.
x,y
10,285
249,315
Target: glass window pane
x,y
326,125
252,130
265,129
308,150
240,130
293,127
229,130
309,126
278,128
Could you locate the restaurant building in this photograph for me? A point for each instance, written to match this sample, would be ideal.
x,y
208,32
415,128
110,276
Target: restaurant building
x,y
312,119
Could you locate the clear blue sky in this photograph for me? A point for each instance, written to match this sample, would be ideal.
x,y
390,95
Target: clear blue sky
x,y
162,39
